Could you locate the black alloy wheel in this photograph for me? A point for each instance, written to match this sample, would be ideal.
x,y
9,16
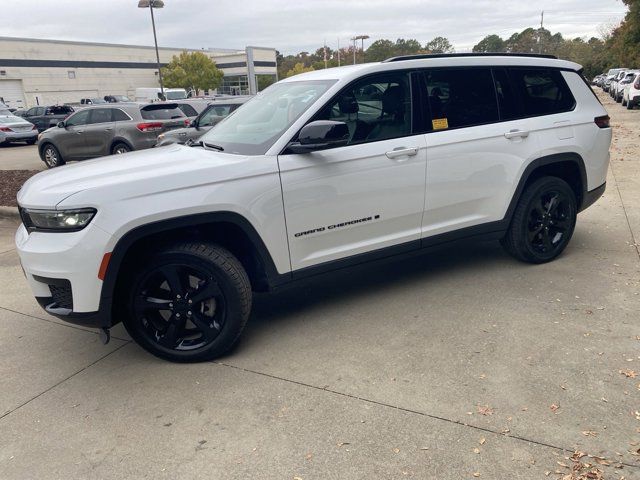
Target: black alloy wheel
x,y
189,302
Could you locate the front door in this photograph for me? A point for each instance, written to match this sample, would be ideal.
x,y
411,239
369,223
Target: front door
x,y
367,195
72,143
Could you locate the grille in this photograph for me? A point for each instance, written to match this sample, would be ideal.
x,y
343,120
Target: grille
x,y
61,294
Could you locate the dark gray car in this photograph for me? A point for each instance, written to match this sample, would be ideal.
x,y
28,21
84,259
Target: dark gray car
x,y
108,129
45,117
215,111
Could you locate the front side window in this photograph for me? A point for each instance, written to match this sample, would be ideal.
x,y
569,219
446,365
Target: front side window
x,y
187,109
213,115
80,118
542,91
375,108
461,97
254,127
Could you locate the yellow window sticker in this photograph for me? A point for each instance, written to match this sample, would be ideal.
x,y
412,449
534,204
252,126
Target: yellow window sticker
x,y
440,123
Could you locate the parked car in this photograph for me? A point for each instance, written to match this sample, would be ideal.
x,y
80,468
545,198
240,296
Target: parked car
x,y
92,101
312,175
110,129
192,107
16,129
214,112
631,93
116,98
154,94
20,112
611,74
46,117
618,87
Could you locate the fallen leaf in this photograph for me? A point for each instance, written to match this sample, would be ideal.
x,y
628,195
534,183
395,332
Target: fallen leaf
x,y
396,450
482,440
628,373
485,410
554,408
589,433
476,450
341,444
476,474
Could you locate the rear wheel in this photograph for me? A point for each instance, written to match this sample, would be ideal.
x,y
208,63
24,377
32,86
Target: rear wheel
x,y
188,303
624,102
543,222
120,148
51,156
630,105
32,141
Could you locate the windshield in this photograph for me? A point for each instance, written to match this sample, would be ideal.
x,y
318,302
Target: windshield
x,y
257,124
179,95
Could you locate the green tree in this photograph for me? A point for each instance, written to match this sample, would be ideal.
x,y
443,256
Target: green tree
x,y
439,45
192,71
297,69
490,44
380,49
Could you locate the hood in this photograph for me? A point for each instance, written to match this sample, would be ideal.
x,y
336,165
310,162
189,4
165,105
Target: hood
x,y
133,174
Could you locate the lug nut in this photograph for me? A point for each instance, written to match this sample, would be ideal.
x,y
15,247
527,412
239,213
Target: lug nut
x,y
178,297
188,313
190,302
170,304
177,315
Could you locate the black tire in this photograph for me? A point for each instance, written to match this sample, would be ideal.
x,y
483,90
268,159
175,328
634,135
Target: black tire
x,y
188,302
120,148
623,103
630,105
32,141
51,156
543,222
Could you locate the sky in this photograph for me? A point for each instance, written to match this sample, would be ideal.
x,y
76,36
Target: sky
x,y
299,25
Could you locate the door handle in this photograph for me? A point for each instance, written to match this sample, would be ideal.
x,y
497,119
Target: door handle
x,y
108,129
78,132
402,152
516,134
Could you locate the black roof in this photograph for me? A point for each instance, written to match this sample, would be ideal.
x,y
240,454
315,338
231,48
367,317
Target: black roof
x,y
454,55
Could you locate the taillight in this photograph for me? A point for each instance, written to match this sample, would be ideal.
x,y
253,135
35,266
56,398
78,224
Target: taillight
x,y
149,127
636,85
187,122
5,129
602,122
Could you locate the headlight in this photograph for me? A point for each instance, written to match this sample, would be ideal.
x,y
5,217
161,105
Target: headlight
x,y
56,220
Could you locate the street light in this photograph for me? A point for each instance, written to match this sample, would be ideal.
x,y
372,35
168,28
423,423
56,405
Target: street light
x,y
151,4
359,37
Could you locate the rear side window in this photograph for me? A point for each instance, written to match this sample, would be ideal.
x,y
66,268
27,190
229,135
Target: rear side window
x,y
188,110
542,91
100,115
120,116
504,92
461,97
161,112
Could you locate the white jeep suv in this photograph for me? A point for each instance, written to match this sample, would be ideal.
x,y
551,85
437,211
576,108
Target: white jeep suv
x,y
320,171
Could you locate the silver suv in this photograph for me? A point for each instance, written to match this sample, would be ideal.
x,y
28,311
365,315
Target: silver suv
x,y
104,130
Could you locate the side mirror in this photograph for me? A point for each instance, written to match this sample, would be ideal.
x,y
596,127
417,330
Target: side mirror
x,y
320,135
62,125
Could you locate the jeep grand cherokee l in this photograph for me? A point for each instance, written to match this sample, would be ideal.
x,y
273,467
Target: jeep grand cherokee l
x,y
319,171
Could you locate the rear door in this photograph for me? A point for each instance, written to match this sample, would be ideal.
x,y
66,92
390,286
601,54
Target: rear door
x,y
365,196
99,132
476,147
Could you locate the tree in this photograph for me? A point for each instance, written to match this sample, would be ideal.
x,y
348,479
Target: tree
x,y
380,50
490,44
192,71
297,69
439,45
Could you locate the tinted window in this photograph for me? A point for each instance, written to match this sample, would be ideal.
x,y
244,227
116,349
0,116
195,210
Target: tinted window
x,y
40,111
188,110
100,115
376,108
80,118
59,110
213,115
31,112
506,98
161,112
461,97
120,116
541,91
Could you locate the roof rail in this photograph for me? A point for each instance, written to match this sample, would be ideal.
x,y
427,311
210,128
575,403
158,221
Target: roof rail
x,y
454,55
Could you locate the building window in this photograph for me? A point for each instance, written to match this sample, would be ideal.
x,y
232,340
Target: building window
x,y
71,74
234,85
3,73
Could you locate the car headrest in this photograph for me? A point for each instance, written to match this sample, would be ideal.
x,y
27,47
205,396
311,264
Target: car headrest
x,y
348,104
393,100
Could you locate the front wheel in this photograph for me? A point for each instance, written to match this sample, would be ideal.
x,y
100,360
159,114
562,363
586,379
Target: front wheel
x,y
624,102
543,222
51,156
188,303
630,105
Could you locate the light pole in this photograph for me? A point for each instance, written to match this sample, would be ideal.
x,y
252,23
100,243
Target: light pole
x,y
151,4
362,38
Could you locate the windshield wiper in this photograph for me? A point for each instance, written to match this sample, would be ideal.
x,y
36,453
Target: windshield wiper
x,y
211,145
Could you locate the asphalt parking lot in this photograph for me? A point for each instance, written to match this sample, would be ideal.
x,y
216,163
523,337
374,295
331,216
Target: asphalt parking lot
x,y
461,364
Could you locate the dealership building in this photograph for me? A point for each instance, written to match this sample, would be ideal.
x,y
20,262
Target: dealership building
x,y
38,72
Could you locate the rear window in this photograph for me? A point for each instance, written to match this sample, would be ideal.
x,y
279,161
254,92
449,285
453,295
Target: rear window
x,y
59,110
542,91
161,112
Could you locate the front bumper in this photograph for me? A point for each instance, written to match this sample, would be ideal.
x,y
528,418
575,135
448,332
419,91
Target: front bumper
x,y
62,271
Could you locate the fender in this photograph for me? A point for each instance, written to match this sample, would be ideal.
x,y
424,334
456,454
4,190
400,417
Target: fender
x,y
127,240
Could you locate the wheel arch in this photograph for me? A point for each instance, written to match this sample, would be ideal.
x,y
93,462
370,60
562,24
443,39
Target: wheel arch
x,y
568,166
44,143
228,229
117,140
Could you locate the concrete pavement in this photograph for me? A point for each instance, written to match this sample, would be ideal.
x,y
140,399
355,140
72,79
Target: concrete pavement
x,y
20,156
457,364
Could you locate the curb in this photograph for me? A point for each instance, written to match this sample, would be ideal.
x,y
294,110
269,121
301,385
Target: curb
x,y
9,213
